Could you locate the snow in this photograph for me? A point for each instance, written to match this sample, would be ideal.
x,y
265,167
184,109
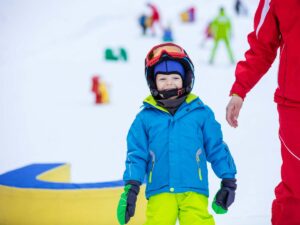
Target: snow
x,y
51,49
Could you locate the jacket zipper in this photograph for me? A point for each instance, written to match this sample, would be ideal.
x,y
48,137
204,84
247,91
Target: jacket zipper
x,y
198,163
153,162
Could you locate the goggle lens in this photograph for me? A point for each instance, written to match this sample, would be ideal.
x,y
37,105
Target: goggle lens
x,y
168,49
171,50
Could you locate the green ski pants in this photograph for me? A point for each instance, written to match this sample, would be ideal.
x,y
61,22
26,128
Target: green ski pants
x,y
189,207
215,47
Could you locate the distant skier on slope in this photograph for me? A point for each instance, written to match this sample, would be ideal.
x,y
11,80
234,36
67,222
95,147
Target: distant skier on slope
x,y
154,18
240,8
208,34
222,31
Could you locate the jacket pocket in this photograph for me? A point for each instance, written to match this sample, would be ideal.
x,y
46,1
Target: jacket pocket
x,y
198,153
152,166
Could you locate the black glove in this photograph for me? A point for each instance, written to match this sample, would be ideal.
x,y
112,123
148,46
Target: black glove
x,y
126,206
225,196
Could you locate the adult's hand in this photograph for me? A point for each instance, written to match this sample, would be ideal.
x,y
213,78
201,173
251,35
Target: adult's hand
x,y
233,109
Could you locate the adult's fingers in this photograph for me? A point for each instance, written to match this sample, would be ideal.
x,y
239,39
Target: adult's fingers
x,y
233,110
230,114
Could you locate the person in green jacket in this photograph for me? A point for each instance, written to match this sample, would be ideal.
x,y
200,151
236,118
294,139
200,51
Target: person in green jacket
x,y
221,28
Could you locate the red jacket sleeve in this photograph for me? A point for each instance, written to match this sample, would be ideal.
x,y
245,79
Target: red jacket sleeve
x,y
264,42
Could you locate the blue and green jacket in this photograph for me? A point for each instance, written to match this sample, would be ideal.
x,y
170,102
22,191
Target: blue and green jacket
x,y
173,151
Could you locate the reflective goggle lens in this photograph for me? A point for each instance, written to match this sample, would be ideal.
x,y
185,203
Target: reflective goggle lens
x,y
168,49
172,50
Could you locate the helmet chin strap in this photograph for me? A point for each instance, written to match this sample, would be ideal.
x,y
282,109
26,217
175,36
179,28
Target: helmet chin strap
x,y
171,93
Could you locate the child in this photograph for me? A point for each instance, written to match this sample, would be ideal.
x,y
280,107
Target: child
x,y
170,141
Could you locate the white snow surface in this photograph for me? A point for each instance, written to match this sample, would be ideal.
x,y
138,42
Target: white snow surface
x,y
49,50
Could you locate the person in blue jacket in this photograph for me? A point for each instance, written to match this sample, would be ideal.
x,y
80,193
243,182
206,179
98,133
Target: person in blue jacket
x,y
170,142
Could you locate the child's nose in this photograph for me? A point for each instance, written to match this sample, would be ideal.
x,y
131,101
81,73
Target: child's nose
x,y
169,81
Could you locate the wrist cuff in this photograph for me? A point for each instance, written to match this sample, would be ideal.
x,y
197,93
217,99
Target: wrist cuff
x,y
229,183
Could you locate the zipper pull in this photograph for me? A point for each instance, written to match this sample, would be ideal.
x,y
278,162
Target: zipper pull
x,y
153,162
198,163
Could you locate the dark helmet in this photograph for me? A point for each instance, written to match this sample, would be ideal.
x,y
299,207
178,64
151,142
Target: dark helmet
x,y
169,51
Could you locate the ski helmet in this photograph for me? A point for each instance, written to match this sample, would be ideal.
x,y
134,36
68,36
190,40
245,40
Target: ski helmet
x,y
173,52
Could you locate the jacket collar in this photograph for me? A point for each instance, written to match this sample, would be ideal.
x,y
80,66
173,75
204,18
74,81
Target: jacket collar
x,y
191,102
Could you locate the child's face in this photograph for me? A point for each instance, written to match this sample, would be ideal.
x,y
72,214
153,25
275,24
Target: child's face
x,y
165,82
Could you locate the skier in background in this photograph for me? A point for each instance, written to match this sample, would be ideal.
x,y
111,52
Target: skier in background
x,y
154,19
222,31
95,89
168,34
276,26
208,34
240,8
143,23
104,92
192,14
170,142
100,90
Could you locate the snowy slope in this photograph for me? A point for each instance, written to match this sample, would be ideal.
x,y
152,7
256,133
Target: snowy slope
x,y
51,49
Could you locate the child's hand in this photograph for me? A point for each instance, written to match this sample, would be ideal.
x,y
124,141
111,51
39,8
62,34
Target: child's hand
x,y
126,206
225,196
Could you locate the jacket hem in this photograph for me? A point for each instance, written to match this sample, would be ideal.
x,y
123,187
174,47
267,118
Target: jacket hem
x,y
176,190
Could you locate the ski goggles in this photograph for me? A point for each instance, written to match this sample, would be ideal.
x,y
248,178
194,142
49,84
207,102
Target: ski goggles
x,y
170,49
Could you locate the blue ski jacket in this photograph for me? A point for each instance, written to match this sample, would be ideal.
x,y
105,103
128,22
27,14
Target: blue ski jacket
x,y
172,151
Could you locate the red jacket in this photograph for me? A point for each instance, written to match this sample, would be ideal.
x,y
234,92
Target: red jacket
x,y
276,25
155,13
